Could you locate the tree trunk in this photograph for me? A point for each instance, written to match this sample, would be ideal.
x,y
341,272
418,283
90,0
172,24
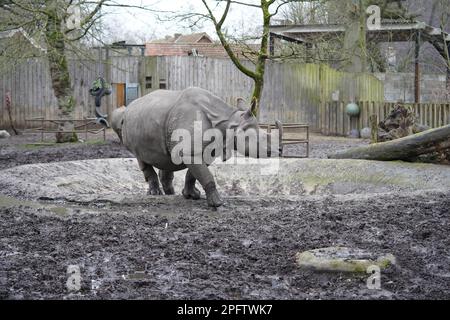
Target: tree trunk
x,y
60,77
407,148
263,54
355,38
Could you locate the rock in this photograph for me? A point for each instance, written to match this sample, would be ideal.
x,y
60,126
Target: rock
x,y
247,243
366,133
354,134
342,259
418,128
4,134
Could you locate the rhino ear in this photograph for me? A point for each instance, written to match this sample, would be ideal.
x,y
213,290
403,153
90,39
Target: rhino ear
x,y
240,104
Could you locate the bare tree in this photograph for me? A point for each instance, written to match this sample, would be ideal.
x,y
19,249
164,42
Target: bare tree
x,y
442,6
268,9
305,12
351,51
56,28
49,19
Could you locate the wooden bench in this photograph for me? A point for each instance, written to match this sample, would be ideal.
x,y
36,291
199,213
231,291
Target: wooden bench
x,y
293,133
81,126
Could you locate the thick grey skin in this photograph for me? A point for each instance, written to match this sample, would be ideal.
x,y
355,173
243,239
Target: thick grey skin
x,y
146,126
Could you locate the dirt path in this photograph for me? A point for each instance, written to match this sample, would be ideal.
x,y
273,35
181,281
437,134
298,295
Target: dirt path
x,y
25,149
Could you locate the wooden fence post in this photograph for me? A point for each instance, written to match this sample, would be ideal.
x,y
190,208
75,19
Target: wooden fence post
x,y
373,128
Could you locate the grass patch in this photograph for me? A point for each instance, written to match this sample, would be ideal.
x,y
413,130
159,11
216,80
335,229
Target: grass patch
x,y
40,145
96,142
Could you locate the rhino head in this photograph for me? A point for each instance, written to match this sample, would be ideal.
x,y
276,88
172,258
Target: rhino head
x,y
252,141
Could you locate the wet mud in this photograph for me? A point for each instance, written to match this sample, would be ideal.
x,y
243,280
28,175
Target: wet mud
x,y
132,246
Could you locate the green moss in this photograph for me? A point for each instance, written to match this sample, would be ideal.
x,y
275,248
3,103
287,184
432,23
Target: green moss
x,y
67,104
6,202
36,146
9,202
96,142
384,264
60,211
71,141
329,178
73,138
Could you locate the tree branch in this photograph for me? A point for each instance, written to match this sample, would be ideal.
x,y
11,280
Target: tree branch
x,y
225,43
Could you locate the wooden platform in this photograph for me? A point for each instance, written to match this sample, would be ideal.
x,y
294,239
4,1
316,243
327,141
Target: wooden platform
x,y
293,133
82,126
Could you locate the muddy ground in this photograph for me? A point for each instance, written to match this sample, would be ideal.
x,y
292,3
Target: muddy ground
x,y
26,149
169,248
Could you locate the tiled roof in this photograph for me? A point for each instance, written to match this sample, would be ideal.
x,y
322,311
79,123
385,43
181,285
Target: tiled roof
x,y
213,50
202,37
193,38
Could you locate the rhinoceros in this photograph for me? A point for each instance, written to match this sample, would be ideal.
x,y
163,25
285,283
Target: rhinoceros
x,y
147,125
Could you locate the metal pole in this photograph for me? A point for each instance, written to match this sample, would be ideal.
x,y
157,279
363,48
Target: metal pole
x,y
271,45
417,70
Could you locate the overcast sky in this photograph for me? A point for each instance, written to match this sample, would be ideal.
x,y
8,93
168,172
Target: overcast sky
x,y
139,24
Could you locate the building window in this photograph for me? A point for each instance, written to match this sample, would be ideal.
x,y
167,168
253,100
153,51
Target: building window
x,y
148,82
162,84
391,57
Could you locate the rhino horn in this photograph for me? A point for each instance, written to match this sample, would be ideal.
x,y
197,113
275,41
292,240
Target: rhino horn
x,y
254,106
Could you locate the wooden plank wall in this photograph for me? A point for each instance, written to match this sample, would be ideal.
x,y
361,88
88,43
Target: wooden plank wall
x,y
32,94
293,92
334,120
219,76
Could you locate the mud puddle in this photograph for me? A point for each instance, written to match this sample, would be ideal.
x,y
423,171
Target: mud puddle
x,y
128,245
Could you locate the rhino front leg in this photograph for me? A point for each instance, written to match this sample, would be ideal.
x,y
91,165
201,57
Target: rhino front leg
x,y
166,178
190,191
151,177
206,179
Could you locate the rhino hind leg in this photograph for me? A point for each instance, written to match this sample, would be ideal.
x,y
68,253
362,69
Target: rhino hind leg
x,y
206,179
166,178
151,177
190,191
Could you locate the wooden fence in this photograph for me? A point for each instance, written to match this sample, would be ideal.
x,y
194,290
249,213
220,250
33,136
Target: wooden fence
x,y
32,94
293,92
334,120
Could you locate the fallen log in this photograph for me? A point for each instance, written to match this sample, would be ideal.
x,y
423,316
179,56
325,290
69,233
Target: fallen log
x,y
407,148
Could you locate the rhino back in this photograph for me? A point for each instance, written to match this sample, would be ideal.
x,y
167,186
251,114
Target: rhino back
x,y
150,122
196,104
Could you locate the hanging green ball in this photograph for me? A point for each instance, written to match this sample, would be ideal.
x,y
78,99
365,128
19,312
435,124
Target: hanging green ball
x,y
352,109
